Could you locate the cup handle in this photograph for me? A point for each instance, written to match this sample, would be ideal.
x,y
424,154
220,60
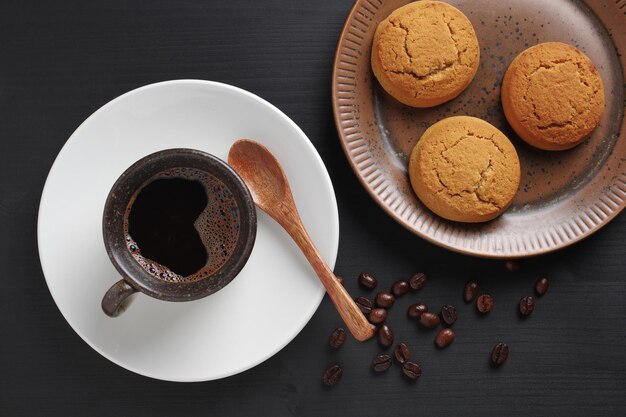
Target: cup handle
x,y
113,300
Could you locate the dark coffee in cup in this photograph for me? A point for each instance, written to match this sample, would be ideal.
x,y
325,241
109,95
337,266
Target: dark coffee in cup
x,y
178,225
183,225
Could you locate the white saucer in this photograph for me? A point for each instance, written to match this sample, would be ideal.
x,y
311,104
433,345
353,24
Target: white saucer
x,y
249,320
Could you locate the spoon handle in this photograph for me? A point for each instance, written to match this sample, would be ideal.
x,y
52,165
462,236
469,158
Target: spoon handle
x,y
288,217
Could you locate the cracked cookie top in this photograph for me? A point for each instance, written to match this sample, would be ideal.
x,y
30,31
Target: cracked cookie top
x,y
425,53
464,169
552,96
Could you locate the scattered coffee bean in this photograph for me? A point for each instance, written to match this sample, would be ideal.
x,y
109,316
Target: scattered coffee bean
x,y
367,281
541,286
470,291
418,281
499,354
512,266
384,299
429,320
400,288
340,280
332,375
337,337
444,337
449,314
378,315
381,363
365,304
484,303
527,305
385,336
411,370
402,352
416,310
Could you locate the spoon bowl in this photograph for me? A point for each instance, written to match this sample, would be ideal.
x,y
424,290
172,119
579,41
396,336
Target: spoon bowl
x,y
261,172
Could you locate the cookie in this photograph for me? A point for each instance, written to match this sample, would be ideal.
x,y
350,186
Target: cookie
x,y
464,169
552,96
425,53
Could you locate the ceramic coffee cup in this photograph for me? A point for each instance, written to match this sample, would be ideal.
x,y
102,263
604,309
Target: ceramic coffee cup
x,y
226,227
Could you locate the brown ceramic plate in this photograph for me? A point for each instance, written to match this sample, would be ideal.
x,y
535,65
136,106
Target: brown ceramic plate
x,y
563,196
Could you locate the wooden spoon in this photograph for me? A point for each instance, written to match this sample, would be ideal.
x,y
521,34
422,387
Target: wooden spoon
x,y
271,192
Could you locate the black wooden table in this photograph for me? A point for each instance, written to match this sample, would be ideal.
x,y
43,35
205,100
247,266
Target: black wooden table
x,y
60,61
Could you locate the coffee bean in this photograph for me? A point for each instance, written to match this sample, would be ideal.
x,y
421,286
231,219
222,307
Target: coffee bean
x,y
378,315
332,375
527,305
340,280
444,337
484,303
402,352
365,304
416,310
512,266
470,291
400,288
337,337
385,336
367,281
418,281
384,299
499,354
381,363
429,320
411,370
541,286
449,314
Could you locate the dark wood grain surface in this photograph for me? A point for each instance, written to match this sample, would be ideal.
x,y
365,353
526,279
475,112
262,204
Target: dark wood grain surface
x,y
60,61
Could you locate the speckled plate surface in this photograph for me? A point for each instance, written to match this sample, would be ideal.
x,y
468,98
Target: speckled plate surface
x,y
563,196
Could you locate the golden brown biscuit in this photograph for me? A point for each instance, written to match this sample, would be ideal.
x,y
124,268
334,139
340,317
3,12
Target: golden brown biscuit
x,y
425,53
552,96
464,169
